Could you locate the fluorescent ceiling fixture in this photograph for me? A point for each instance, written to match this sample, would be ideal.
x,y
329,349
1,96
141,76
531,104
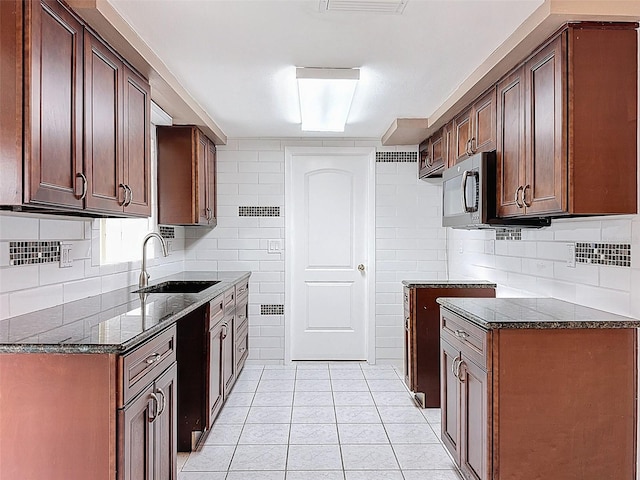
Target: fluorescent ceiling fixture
x,y
325,97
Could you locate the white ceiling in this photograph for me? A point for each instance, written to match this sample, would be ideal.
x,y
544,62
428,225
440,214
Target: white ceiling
x,y
237,58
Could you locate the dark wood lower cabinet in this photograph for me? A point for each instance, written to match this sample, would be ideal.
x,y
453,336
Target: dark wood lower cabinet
x,y
216,390
539,403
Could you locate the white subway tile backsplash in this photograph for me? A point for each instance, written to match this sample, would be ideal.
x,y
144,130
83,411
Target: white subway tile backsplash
x,y
4,305
617,231
577,231
81,289
51,273
13,227
25,301
259,144
62,229
615,278
19,278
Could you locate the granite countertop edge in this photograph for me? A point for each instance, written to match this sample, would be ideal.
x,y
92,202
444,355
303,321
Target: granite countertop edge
x,y
123,347
448,284
615,321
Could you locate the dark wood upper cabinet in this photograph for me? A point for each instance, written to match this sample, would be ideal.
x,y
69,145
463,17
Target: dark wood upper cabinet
x,y
137,146
53,104
186,177
103,127
75,118
433,155
474,130
567,123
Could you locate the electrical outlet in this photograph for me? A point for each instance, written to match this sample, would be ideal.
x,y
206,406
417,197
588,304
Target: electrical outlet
x,y
571,255
66,260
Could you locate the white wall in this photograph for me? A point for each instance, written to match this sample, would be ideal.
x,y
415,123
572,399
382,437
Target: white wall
x,y
27,288
410,241
536,265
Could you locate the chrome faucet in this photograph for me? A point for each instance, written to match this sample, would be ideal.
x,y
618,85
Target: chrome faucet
x,y
144,276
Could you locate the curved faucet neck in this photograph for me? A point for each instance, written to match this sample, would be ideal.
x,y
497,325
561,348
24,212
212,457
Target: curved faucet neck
x,y
144,276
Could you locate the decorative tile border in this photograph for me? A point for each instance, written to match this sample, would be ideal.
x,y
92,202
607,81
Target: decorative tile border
x,y
616,254
29,253
508,234
167,232
400,157
271,309
259,211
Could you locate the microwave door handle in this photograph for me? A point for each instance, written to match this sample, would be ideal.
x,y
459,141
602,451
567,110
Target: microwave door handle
x,y
465,205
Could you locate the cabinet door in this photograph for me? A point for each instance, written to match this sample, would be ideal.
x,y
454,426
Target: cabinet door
x,y
510,151
424,158
450,399
228,350
103,127
202,151
137,166
546,100
462,134
135,459
210,184
484,123
215,391
53,105
474,441
165,425
447,134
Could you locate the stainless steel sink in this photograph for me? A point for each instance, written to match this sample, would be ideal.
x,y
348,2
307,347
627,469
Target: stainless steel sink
x,y
179,286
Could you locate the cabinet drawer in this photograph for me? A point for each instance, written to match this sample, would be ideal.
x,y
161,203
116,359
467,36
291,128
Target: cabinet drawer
x,y
242,346
241,316
472,341
229,299
216,311
140,367
242,291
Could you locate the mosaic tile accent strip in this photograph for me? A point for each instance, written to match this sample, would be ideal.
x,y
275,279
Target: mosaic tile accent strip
x,y
508,234
399,157
615,254
271,309
259,211
29,253
167,232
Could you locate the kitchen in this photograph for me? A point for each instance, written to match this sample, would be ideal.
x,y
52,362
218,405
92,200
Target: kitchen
x,y
410,244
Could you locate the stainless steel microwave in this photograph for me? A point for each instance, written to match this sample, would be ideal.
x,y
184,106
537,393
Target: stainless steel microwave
x,y
469,196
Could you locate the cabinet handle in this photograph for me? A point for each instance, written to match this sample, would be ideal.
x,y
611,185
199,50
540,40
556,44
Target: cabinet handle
x,y
462,380
406,324
224,330
461,334
515,198
524,195
164,401
157,404
453,366
429,161
130,195
472,145
85,185
151,359
124,189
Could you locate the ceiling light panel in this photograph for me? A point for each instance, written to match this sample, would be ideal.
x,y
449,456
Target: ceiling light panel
x,y
363,6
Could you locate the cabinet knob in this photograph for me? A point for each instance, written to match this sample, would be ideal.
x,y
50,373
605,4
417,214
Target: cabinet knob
x,y
461,334
151,359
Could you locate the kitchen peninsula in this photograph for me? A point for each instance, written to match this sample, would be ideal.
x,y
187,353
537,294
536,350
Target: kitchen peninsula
x,y
93,385
538,385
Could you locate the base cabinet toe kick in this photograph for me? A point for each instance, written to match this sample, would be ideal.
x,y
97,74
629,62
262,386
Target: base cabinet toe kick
x,y
531,403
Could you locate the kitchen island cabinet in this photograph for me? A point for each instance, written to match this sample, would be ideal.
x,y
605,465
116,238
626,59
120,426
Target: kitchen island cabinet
x,y
538,388
105,377
422,332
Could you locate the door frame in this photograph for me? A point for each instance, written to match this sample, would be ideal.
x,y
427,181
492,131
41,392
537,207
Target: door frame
x,y
370,220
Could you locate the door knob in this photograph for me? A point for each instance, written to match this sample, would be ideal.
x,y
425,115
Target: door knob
x,y
361,267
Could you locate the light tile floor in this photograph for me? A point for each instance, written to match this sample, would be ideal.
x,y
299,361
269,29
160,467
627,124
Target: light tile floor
x,y
321,421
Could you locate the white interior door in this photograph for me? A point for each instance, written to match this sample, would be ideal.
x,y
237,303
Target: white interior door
x,y
328,255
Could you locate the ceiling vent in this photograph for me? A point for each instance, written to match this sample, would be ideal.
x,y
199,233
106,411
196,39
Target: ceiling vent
x,y
364,6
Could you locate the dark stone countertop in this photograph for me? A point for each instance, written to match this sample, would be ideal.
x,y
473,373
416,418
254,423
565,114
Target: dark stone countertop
x,y
533,313
112,322
448,284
